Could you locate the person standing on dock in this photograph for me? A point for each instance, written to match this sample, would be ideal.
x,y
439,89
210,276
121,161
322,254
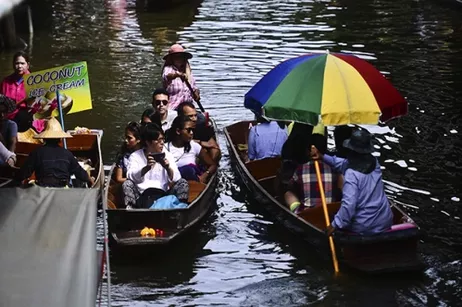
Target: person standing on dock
x,y
177,77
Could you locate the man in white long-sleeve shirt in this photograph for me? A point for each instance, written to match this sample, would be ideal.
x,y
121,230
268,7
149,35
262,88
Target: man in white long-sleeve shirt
x,y
154,172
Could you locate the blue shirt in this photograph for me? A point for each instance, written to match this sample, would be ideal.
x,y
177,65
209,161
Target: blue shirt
x,y
365,208
266,140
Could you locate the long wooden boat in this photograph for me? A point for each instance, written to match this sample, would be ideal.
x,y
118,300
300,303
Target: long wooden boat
x,y
125,225
85,147
395,250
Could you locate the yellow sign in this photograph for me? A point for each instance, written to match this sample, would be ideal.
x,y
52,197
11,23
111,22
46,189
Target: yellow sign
x,y
72,83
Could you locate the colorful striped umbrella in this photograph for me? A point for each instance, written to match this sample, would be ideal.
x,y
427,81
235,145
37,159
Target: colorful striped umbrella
x,y
339,88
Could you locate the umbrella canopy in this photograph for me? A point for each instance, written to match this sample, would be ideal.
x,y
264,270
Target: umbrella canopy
x,y
339,88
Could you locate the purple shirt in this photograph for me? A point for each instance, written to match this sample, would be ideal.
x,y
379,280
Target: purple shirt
x,y
365,209
266,140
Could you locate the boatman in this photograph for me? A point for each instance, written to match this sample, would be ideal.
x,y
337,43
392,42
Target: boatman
x,y
365,209
52,164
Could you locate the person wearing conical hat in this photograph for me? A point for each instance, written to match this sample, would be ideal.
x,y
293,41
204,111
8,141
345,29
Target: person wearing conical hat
x,y
303,191
53,165
177,77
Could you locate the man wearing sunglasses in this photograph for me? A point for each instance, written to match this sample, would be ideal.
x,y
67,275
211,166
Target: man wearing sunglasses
x,y
160,100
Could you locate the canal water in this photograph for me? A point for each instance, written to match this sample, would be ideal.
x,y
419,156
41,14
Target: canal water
x,y
240,257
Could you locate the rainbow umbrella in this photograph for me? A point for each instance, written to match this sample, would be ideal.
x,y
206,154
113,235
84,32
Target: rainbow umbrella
x,y
338,88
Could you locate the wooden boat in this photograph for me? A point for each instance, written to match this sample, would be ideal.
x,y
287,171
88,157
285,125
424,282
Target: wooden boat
x,y
125,225
84,147
395,250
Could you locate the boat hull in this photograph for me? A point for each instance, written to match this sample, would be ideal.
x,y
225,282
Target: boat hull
x,y
388,252
125,225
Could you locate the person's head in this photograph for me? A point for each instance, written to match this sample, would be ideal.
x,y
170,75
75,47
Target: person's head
x,y
160,99
132,136
320,142
187,109
182,129
152,138
151,116
177,56
361,142
341,133
293,149
146,115
20,63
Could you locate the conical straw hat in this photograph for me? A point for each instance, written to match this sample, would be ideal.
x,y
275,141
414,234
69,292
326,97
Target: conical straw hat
x,y
53,131
28,137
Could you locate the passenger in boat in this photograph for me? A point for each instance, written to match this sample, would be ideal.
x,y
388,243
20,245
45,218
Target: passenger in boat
x,y
292,155
8,128
53,165
304,184
186,152
342,133
266,139
203,133
131,144
6,157
154,171
160,102
177,77
365,209
150,116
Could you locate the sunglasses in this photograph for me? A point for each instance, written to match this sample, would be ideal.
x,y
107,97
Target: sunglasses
x,y
158,102
189,130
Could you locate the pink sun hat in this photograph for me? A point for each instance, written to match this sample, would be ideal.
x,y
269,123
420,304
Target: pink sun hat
x,y
175,49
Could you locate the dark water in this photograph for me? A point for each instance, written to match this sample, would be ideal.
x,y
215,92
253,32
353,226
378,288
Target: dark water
x,y
239,257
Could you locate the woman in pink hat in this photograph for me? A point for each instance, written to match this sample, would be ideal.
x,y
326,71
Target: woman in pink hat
x,y
177,77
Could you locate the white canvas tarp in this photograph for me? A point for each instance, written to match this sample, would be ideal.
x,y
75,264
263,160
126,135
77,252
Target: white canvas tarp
x,y
48,247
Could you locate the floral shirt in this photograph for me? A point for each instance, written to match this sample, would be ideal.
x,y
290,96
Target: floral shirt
x,y
177,88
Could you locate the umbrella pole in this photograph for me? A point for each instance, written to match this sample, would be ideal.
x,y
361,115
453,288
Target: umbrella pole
x,y
326,215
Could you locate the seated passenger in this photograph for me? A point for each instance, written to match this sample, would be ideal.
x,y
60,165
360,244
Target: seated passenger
x,y
292,155
160,102
8,128
365,209
266,139
132,143
6,157
187,152
154,171
150,116
53,165
203,134
304,184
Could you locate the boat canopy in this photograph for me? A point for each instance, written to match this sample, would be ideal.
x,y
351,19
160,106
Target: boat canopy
x,y
48,242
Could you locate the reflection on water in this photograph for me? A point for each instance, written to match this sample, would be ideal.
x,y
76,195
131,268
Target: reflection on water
x,y
240,256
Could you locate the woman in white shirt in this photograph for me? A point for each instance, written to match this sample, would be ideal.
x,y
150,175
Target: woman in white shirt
x,y
154,171
186,152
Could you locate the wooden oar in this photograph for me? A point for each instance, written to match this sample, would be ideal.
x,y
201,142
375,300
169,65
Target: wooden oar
x,y
192,94
326,215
